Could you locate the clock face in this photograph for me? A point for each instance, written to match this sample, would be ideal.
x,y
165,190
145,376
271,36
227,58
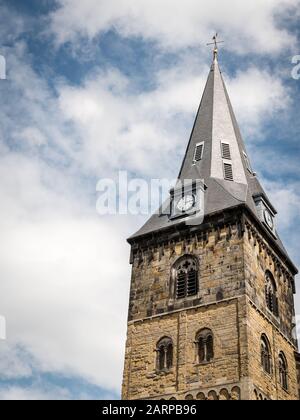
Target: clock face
x,y
269,219
186,203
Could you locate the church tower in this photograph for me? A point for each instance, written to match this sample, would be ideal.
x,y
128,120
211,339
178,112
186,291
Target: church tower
x,y
211,312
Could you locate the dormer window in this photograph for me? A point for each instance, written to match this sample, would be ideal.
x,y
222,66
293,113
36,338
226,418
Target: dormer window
x,y
227,165
266,212
226,154
228,172
199,152
187,198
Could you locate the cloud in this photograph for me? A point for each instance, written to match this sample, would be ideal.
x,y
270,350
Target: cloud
x,y
258,96
287,199
33,137
60,286
64,271
246,26
10,29
12,364
141,129
33,393
270,160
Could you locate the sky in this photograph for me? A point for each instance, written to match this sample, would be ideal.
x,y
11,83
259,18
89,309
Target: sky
x,y
99,86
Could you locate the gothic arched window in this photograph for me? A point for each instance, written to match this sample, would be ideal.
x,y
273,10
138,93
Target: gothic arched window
x,y
186,277
283,371
205,346
271,293
164,354
266,357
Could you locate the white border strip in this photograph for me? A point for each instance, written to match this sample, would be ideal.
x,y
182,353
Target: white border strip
x,y
2,328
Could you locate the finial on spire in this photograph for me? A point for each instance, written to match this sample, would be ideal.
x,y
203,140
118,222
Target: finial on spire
x,y
215,43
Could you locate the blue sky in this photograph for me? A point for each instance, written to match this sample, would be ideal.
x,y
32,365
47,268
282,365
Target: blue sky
x,y
93,87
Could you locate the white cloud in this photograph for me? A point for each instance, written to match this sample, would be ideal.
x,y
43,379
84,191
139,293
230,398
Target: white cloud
x,y
246,26
12,364
287,201
63,294
60,286
270,162
10,29
257,96
33,393
142,129
33,137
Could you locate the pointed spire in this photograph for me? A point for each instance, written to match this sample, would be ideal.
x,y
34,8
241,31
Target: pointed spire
x,y
217,131
216,155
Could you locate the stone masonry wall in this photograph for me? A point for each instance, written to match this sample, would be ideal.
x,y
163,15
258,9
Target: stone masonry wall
x,y
221,273
261,382
231,302
258,259
187,378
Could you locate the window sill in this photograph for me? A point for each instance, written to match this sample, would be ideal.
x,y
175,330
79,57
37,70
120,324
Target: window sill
x,y
164,372
204,363
191,297
269,375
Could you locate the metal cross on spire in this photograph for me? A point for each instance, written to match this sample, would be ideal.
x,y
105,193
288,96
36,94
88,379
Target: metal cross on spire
x,y
215,43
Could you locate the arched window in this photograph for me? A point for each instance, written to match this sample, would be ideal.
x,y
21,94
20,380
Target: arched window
x,y
266,358
271,293
212,395
205,346
186,277
164,354
283,371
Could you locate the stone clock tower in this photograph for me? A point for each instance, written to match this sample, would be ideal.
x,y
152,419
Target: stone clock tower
x,y
211,312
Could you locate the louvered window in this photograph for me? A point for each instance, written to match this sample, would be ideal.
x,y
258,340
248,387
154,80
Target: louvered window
x,y
199,152
186,274
226,151
228,172
181,285
192,283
